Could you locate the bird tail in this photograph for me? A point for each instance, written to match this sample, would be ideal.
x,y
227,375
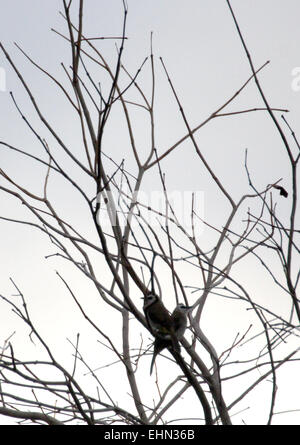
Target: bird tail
x,y
152,363
169,344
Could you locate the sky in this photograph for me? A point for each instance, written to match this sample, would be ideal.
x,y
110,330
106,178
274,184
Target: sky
x,y
200,47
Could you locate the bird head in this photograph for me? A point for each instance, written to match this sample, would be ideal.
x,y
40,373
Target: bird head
x,y
149,299
183,308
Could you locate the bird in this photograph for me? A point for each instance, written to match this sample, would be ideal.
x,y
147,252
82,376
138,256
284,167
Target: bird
x,y
157,316
179,320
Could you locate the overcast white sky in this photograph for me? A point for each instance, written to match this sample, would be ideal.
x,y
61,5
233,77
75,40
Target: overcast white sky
x,y
204,56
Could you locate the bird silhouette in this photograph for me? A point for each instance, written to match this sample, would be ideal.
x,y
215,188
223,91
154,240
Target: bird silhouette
x,y
157,316
179,322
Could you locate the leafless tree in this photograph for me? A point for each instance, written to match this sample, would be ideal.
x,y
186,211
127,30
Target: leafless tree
x,y
116,253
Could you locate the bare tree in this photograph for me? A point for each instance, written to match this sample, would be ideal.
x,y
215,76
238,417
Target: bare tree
x,y
131,248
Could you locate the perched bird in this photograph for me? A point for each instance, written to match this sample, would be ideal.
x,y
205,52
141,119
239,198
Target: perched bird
x,y
179,320
167,329
157,316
